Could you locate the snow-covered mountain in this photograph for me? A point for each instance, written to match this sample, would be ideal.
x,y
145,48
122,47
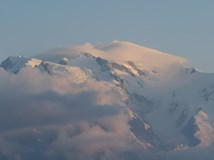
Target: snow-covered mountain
x,y
168,104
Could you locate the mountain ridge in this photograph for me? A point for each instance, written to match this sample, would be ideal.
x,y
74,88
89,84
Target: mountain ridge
x,y
117,51
160,95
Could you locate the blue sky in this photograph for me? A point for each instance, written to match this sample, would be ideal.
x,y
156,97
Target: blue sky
x,y
184,28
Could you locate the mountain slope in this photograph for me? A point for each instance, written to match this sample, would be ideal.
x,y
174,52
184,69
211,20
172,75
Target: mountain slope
x,y
159,94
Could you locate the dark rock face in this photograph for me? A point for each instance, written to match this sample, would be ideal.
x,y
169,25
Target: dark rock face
x,y
122,68
182,118
63,61
189,130
142,130
139,71
103,63
46,67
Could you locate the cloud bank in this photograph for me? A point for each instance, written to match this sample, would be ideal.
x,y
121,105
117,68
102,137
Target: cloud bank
x,y
43,117
51,117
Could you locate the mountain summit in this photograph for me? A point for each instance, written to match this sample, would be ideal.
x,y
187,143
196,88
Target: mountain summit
x,y
108,101
117,51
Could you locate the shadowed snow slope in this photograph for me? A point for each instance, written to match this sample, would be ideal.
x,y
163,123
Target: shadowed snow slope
x,y
108,101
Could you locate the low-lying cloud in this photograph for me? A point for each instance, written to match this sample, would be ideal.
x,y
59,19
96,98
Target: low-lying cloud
x,y
44,117
50,118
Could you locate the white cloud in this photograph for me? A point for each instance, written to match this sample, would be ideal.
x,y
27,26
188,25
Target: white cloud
x,y
55,118
43,117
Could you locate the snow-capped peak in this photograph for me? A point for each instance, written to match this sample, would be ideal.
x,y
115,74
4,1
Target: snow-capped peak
x,y
161,95
118,51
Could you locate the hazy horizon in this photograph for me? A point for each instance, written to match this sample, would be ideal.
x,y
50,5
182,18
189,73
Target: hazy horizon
x,y
180,28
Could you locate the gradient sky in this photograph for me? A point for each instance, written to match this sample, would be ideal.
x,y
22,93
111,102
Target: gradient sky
x,y
180,27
